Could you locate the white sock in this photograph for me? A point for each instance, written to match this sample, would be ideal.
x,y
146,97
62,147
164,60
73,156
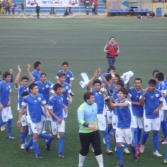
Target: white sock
x,y
99,159
81,160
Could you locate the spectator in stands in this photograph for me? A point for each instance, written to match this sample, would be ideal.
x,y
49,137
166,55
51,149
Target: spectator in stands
x,y
111,49
22,7
94,6
13,6
87,6
6,6
37,9
0,7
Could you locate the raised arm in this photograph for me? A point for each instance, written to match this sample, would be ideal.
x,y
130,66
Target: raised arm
x,y
17,77
30,73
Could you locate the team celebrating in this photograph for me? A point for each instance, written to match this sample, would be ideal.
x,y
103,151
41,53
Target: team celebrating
x,y
110,109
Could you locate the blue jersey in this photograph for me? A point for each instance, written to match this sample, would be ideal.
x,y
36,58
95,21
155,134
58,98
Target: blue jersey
x,y
5,90
69,75
99,100
44,89
57,105
21,90
124,114
135,97
66,88
162,87
151,103
36,74
34,106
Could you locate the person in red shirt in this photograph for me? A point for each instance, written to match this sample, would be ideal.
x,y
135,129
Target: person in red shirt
x,y
111,49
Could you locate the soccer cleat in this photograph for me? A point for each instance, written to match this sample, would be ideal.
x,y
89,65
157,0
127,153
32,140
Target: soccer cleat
x,y
165,161
142,148
38,157
109,152
26,148
126,151
3,128
156,153
72,93
119,165
104,142
11,137
22,147
92,149
61,156
164,141
47,147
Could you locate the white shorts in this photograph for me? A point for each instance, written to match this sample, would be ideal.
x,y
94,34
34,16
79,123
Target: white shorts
x,y
123,136
102,124
36,128
152,124
23,120
6,114
114,120
109,116
137,122
56,128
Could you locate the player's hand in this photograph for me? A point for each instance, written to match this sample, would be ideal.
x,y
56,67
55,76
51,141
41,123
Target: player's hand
x,y
156,111
92,127
58,120
145,91
1,107
113,105
28,67
65,109
18,124
19,68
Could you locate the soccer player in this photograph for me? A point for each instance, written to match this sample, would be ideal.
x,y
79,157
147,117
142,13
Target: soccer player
x,y
152,105
123,132
66,91
88,129
36,73
69,76
162,87
44,86
5,103
23,90
135,94
57,109
33,104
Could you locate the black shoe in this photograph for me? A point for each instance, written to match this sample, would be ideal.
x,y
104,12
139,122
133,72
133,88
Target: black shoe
x,y
47,147
72,94
26,148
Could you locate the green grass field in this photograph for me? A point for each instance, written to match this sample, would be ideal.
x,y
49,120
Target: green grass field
x,y
79,41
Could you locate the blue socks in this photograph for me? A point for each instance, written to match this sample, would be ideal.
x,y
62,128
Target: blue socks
x,y
164,128
119,153
23,136
155,140
107,139
36,148
166,153
61,145
47,137
10,126
145,137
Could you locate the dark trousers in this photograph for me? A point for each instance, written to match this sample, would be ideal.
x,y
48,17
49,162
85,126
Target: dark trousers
x,y
87,139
